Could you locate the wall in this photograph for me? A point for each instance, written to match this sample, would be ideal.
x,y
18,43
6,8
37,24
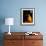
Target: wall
x,y
11,8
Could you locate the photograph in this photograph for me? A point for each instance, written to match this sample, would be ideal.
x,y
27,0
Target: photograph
x,y
27,16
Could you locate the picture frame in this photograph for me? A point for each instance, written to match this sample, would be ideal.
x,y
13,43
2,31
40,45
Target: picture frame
x,y
27,16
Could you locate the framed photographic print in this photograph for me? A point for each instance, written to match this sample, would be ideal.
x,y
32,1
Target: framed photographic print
x,y
27,16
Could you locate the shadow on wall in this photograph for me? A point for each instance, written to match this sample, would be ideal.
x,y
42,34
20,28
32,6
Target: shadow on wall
x,y
2,21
